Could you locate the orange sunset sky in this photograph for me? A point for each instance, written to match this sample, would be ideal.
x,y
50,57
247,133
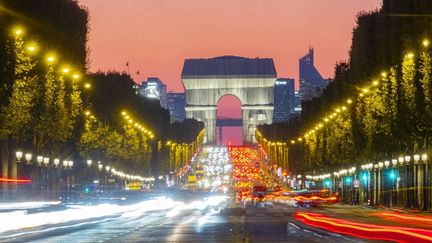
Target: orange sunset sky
x,y
155,36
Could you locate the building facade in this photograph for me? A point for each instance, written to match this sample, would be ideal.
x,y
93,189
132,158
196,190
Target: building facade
x,y
176,106
310,80
284,100
296,109
154,88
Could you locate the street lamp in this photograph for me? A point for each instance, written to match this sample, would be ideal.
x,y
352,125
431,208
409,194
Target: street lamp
x,y
89,162
416,158
28,158
70,164
46,161
424,157
100,166
107,168
394,162
56,162
407,159
39,160
65,164
19,155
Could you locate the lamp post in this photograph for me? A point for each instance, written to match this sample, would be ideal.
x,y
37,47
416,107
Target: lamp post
x,y
380,183
386,183
56,169
88,177
100,167
426,181
46,176
375,185
410,181
418,181
395,194
107,170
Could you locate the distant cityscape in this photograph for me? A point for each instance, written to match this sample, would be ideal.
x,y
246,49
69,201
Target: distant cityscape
x,y
287,100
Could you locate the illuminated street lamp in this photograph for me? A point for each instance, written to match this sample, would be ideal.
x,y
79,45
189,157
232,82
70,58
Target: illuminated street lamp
x,y
416,158
39,160
50,59
424,157
394,162
89,162
65,163
31,48
19,155
380,165
46,161
18,31
70,163
100,166
386,163
28,158
401,160
107,168
407,159
56,162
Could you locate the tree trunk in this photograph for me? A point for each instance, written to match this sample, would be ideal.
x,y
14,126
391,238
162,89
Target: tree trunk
x,y
5,164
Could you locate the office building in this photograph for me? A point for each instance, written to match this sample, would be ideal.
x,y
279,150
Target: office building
x,y
176,106
283,99
310,80
154,88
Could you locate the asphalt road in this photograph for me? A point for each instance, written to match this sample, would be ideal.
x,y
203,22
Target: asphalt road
x,y
274,223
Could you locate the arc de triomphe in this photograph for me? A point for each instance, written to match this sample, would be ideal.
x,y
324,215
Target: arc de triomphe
x,y
250,79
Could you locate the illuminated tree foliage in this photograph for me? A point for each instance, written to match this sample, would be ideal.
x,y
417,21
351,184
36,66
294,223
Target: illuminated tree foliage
x,y
17,114
392,116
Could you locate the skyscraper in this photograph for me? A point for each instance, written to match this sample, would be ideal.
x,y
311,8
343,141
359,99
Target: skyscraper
x,y
311,81
283,99
296,109
176,106
154,88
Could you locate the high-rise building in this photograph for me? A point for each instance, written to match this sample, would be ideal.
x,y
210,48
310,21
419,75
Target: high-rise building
x,y
296,109
154,88
311,81
283,99
176,106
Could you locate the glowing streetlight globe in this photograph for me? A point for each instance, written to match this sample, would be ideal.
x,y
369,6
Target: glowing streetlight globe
x,y
50,59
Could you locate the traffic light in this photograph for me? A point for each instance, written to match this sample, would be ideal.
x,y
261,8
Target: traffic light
x,y
364,178
392,175
348,180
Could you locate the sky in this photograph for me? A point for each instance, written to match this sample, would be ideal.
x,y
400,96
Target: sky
x,y
156,36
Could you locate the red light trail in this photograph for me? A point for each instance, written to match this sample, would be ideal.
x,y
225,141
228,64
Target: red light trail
x,y
405,218
15,180
366,231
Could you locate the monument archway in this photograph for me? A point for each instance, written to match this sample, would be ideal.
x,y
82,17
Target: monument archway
x,y
250,79
229,122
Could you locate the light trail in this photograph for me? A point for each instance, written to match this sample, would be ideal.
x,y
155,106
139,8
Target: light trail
x,y
15,180
18,220
26,205
405,217
366,231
